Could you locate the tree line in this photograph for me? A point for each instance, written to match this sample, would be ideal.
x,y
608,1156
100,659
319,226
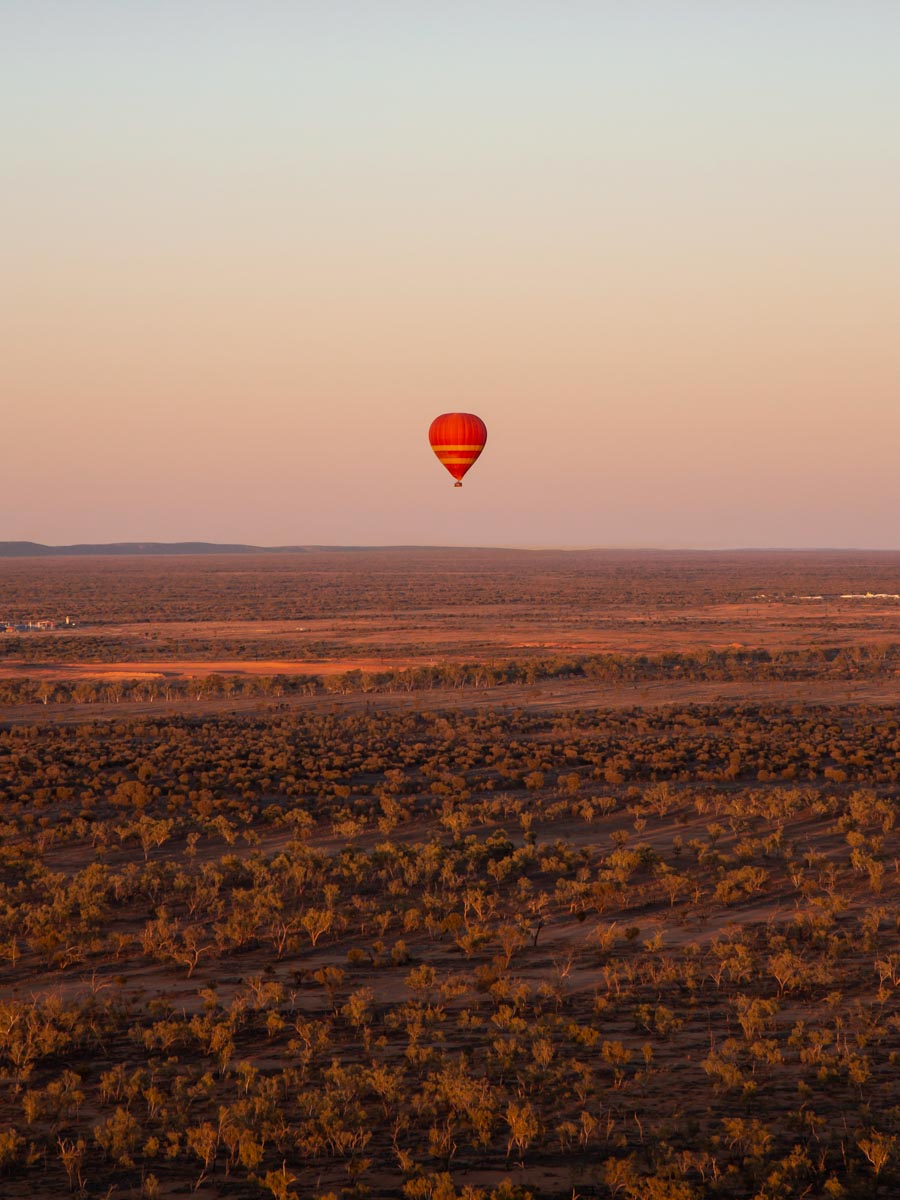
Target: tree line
x,y
839,663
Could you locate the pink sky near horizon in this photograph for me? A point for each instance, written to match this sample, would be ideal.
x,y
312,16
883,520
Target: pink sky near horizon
x,y
251,254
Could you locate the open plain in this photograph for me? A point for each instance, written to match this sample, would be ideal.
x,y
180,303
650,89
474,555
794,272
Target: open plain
x,y
439,874
330,612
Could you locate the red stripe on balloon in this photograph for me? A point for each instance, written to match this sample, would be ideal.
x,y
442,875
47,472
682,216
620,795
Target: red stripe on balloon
x,y
457,429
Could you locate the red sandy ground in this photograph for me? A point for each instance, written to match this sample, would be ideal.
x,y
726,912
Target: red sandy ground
x,y
418,638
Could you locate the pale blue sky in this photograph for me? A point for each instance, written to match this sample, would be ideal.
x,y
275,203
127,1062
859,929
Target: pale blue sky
x,y
252,249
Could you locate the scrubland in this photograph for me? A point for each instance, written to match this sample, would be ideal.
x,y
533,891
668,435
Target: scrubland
x,y
483,937
637,954
339,622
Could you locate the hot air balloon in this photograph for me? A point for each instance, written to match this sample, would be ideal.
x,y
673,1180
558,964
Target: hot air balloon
x,y
457,439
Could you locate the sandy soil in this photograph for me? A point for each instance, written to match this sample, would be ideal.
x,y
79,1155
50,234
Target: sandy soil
x,y
417,638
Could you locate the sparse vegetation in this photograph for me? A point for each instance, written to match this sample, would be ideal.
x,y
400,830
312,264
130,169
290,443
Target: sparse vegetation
x,y
374,947
393,948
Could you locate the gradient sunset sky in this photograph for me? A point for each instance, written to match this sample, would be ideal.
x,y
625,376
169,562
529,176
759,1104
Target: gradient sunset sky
x,y
250,250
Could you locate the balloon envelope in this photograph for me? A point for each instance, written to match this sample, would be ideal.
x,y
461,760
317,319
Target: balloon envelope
x,y
457,439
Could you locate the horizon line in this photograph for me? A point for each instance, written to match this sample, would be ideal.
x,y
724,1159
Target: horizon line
x,y
151,548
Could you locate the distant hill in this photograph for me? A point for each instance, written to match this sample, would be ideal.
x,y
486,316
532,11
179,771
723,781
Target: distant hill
x,y
36,550
147,549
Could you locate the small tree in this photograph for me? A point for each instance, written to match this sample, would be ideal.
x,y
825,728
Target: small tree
x,y
879,1149
317,921
72,1156
523,1127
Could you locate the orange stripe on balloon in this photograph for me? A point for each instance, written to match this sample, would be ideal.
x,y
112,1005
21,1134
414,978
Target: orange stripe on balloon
x,y
457,440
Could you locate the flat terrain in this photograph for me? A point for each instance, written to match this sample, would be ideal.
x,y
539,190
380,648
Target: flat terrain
x,y
327,613
512,630
457,875
570,694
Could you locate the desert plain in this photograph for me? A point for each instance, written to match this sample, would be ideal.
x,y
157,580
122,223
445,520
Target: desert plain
x,y
450,873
